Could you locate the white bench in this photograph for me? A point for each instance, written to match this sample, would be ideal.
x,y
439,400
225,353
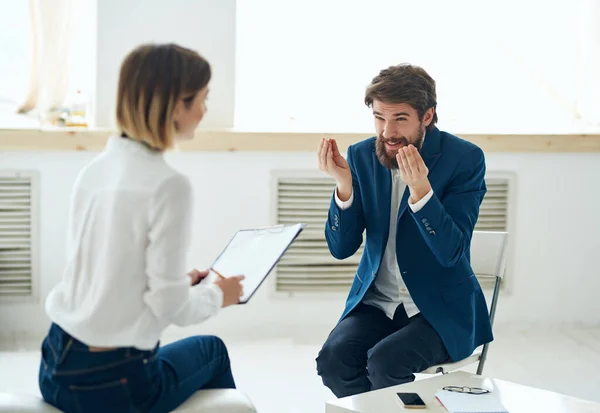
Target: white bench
x,y
205,401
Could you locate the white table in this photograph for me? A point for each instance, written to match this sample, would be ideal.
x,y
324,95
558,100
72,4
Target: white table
x,y
515,397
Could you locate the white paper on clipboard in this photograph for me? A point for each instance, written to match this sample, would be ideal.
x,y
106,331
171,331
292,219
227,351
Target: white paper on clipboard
x,y
254,253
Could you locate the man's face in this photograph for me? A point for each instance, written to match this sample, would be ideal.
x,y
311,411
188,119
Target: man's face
x,y
397,125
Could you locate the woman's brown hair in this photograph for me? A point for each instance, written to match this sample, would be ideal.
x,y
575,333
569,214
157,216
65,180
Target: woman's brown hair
x,y
153,78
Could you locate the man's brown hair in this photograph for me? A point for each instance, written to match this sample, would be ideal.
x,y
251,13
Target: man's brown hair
x,y
404,83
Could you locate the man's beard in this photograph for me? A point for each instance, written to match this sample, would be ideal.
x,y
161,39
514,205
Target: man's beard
x,y
389,160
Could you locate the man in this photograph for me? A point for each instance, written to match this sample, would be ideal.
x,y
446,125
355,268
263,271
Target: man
x,y
416,191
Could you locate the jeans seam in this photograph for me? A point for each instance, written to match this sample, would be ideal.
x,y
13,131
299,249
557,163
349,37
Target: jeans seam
x,y
79,408
52,348
65,352
55,396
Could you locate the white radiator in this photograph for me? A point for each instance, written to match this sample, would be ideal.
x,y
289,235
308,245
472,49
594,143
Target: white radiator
x,y
18,234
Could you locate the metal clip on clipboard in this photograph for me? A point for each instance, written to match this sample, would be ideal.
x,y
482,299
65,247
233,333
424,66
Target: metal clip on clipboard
x,y
271,229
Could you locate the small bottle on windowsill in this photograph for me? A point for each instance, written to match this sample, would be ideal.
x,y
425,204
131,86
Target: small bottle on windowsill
x,y
78,115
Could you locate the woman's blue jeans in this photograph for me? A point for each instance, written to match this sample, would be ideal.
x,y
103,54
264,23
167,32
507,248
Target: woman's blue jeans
x,y
77,380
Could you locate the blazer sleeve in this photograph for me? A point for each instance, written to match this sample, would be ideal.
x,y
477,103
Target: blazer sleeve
x,y
344,228
447,223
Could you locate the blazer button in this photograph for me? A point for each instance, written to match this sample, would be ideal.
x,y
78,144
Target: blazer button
x,y
333,228
432,232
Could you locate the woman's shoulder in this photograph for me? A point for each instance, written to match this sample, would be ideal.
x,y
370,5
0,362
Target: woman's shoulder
x,y
175,183
107,172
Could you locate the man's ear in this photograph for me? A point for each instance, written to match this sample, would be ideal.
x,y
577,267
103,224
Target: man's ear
x,y
428,116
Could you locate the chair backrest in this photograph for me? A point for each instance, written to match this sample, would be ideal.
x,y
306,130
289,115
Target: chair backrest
x,y
488,259
488,253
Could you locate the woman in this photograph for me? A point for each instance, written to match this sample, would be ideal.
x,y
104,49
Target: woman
x,y
130,226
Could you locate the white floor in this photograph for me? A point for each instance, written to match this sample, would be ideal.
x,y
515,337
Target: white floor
x,y
279,375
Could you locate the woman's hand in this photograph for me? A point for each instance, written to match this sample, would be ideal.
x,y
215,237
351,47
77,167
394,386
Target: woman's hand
x,y
232,289
196,276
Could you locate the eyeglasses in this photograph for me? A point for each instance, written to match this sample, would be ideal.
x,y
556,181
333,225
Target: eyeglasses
x,y
465,389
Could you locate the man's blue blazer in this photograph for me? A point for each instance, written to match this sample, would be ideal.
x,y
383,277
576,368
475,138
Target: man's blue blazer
x,y
432,245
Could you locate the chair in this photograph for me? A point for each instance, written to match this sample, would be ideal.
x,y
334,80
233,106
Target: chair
x,y
488,259
217,401
205,401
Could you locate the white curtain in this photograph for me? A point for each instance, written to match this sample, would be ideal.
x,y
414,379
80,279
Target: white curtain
x,y
51,25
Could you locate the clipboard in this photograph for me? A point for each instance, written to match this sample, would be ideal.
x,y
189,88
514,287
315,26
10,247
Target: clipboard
x,y
254,253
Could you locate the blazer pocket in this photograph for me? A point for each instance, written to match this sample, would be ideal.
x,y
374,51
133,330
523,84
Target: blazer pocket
x,y
461,290
357,285
359,289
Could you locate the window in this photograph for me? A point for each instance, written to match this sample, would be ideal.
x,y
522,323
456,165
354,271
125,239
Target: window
x,y
500,67
15,58
47,55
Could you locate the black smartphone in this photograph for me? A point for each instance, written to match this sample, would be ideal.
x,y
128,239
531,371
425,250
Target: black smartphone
x,y
411,400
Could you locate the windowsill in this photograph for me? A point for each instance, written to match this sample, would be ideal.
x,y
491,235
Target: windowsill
x,y
86,139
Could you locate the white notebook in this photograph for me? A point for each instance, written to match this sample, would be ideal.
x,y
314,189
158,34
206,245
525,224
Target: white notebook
x,y
470,403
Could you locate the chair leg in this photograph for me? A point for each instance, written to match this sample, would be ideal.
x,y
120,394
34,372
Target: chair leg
x,y
480,365
482,358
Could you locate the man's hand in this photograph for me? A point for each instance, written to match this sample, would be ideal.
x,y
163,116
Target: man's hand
x,y
196,276
333,163
413,172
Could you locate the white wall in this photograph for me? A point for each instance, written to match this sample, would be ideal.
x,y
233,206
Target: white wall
x,y
203,25
555,274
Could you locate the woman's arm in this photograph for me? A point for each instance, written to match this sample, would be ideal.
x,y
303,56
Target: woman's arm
x,y
169,294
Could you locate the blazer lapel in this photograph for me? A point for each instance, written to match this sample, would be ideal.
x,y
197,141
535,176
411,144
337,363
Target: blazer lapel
x,y
403,202
382,180
431,150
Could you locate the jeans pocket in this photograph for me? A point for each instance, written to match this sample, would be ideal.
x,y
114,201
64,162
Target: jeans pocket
x,y
112,396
